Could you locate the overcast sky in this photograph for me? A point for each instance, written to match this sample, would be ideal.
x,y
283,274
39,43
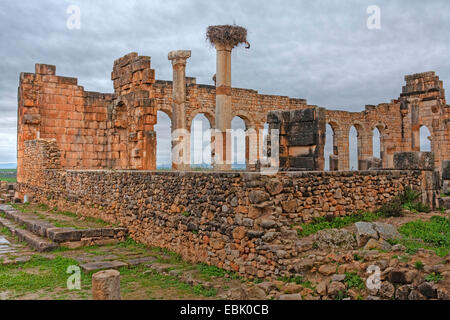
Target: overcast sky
x,y
318,50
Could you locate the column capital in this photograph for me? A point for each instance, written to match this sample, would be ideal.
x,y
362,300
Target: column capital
x,y
223,47
179,56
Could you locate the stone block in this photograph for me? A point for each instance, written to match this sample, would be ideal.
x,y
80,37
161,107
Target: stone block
x,y
414,161
305,115
444,203
45,69
64,234
91,233
364,232
446,170
106,285
386,231
302,163
371,163
102,265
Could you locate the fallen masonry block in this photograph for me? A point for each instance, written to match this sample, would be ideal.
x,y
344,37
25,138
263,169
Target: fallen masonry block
x,y
364,232
414,161
103,265
444,203
106,285
139,261
64,234
386,231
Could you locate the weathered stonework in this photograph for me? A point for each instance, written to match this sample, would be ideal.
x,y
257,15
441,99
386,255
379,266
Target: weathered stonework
x,y
301,138
101,131
237,221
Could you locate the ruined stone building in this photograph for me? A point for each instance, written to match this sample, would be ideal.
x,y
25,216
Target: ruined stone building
x,y
101,131
95,154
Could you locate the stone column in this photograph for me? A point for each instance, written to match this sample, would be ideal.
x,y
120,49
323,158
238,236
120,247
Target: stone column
x,y
223,108
106,285
180,142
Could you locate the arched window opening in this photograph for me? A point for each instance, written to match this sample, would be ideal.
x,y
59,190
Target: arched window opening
x,y
163,130
376,143
353,149
329,146
238,144
200,143
425,139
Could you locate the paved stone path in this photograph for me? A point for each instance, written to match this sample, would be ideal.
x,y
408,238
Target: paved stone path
x,y
5,246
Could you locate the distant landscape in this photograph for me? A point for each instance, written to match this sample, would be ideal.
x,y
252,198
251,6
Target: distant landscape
x,y
9,175
8,166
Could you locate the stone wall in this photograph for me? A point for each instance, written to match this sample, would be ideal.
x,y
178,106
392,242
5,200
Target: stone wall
x,y
238,221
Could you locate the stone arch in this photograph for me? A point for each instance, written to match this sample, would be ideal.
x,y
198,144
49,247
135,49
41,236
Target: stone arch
x,y
163,130
333,156
207,112
167,110
379,142
198,157
364,143
244,115
426,139
254,138
239,143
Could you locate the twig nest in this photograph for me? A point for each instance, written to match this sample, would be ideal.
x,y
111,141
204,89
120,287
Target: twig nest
x,y
227,35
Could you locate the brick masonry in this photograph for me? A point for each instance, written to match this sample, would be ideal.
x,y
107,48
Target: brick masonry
x,y
103,131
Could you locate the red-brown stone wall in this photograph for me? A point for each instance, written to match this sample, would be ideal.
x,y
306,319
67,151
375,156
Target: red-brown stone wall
x,y
95,130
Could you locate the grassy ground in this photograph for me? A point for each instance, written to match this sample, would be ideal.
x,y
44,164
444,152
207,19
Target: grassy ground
x,y
433,235
408,200
45,276
336,223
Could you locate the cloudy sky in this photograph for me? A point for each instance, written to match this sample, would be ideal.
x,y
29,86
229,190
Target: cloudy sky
x,y
318,50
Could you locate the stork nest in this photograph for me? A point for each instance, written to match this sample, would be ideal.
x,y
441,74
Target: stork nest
x,y
227,35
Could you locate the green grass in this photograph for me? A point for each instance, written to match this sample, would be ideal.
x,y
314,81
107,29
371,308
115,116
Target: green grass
x,y
419,265
354,281
336,223
434,277
297,280
131,276
433,235
409,199
46,275
207,272
6,231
